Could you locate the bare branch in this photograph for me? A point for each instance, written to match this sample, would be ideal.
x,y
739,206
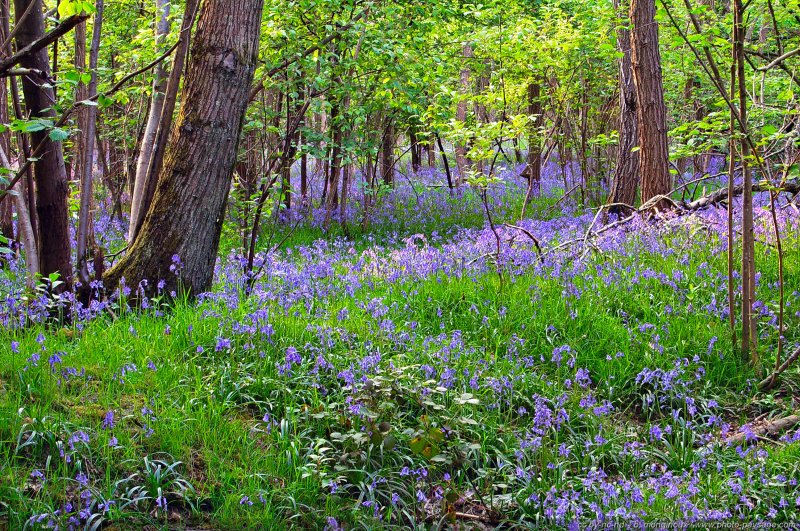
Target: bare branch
x,y
49,38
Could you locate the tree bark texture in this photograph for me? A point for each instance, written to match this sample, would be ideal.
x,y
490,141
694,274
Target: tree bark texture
x,y
626,178
52,187
164,130
533,171
651,110
6,207
749,331
185,218
462,164
387,153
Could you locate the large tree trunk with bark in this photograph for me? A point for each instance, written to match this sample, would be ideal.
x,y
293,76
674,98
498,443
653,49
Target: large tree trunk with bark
x,y
153,118
651,112
52,187
626,178
185,219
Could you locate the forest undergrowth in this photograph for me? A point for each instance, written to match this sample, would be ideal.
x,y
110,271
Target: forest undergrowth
x,y
416,377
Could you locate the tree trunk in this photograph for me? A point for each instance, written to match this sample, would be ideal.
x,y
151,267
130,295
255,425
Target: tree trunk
x,y
462,164
301,124
651,112
347,171
164,130
87,167
749,332
625,181
52,187
332,198
517,152
387,154
6,207
153,117
7,220
22,139
74,168
445,163
247,168
25,149
294,108
184,221
26,236
533,171
416,152
303,171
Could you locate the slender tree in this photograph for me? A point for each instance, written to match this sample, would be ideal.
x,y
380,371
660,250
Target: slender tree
x,y
387,153
153,117
87,168
81,94
461,148
6,207
184,221
533,170
50,174
749,334
164,129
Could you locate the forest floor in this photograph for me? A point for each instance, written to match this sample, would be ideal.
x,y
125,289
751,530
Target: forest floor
x,y
415,378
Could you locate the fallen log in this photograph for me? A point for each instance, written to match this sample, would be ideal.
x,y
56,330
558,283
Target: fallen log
x,y
791,187
770,428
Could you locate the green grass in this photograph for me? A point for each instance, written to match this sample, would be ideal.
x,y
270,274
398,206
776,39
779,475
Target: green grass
x,y
207,407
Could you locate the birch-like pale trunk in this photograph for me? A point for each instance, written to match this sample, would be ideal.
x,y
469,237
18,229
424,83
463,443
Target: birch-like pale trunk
x,y
24,228
153,118
165,122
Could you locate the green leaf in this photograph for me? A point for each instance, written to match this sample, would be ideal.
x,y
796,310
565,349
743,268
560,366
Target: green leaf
x,y
105,101
58,135
418,445
769,130
67,8
73,76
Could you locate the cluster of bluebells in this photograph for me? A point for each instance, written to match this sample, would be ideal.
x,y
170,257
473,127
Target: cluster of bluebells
x,y
559,423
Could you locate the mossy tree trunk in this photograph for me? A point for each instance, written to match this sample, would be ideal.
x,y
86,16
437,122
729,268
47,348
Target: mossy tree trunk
x,y
185,217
